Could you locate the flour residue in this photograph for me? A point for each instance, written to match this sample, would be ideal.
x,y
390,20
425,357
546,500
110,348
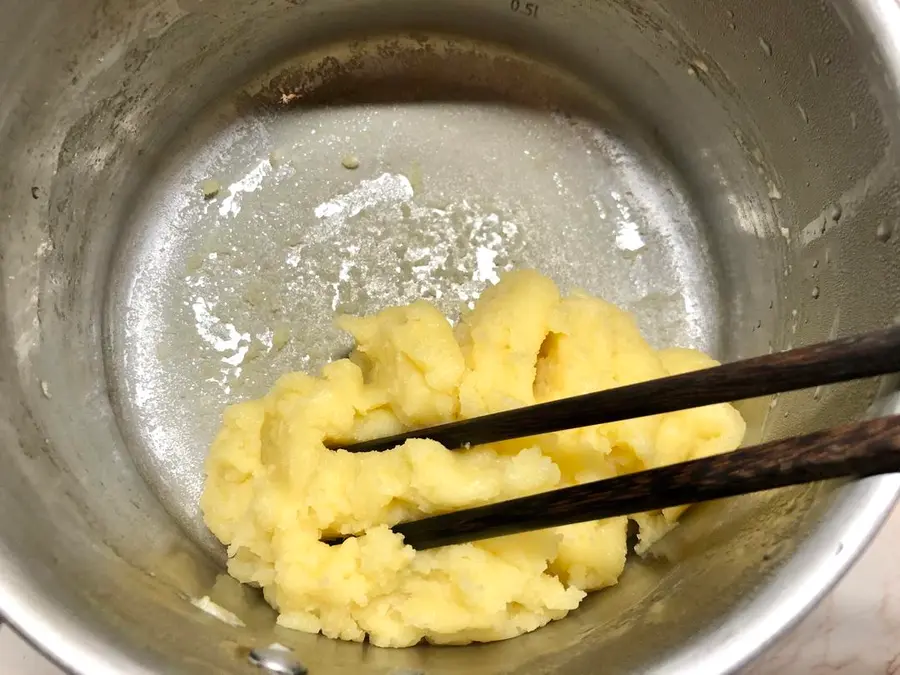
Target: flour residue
x,y
628,235
251,182
222,336
404,246
386,189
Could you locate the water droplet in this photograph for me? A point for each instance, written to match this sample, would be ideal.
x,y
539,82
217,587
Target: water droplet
x,y
817,394
853,121
773,403
835,211
45,389
803,114
814,65
815,264
815,292
884,231
766,47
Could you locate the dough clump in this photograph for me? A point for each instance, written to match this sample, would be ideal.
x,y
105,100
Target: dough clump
x,y
273,490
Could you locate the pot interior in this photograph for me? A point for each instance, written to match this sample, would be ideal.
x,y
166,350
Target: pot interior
x,y
726,173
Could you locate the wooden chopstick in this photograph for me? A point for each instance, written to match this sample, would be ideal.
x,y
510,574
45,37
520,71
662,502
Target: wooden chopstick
x,y
855,450
851,358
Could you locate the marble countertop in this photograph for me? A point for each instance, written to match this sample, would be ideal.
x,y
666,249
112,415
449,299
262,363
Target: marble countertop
x,y
854,631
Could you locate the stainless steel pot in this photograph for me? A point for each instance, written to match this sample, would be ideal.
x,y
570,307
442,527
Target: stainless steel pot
x,y
726,170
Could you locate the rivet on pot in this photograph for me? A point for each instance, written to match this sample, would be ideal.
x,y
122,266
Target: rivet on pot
x,y
277,659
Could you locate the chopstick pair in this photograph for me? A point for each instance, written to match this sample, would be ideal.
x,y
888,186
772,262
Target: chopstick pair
x,y
853,450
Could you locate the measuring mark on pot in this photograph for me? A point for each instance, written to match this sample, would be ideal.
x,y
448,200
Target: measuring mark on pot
x,y
526,8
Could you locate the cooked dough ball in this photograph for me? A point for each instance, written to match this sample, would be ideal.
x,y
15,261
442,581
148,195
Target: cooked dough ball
x,y
273,490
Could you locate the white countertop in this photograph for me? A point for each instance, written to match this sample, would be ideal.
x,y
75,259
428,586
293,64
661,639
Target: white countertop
x,y
854,631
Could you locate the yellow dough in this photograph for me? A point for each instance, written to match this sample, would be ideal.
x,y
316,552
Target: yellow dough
x,y
273,489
